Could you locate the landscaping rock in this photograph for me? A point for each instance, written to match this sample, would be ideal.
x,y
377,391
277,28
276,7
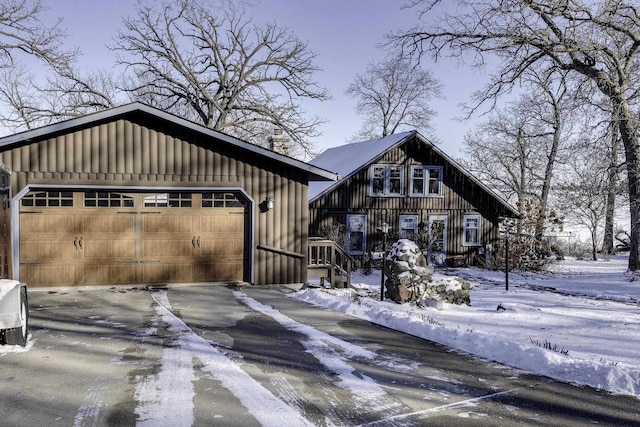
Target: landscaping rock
x,y
408,278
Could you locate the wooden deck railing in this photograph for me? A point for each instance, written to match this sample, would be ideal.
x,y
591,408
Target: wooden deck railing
x,y
327,260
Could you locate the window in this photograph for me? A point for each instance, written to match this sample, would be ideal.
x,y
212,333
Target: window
x,y
408,228
426,181
471,232
167,200
56,199
387,180
221,200
356,239
105,199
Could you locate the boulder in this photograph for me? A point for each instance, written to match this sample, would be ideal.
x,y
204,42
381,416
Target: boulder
x,y
408,278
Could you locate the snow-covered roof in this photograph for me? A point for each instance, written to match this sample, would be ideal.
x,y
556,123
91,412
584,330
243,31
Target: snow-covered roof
x,y
349,159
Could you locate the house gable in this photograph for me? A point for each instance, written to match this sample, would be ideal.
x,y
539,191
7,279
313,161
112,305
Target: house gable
x,y
456,196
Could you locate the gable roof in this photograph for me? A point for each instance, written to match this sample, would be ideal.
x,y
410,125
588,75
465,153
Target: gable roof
x,y
347,160
315,173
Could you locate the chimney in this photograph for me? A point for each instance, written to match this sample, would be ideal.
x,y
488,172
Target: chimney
x,y
279,142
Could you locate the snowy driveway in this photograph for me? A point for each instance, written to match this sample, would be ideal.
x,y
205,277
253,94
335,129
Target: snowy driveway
x,y
252,356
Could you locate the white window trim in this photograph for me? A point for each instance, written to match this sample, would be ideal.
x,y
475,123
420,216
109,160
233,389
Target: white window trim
x,y
464,231
387,180
426,180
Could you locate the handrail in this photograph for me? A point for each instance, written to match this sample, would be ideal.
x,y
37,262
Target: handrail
x,y
280,251
328,255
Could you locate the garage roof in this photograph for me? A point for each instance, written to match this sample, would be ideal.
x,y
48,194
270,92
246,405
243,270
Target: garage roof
x,y
315,173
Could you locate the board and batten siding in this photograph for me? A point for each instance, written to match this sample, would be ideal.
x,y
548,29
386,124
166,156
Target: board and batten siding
x,y
137,150
460,196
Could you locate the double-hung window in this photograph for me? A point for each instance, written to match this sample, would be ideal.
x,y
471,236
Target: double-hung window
x,y
426,181
471,231
387,180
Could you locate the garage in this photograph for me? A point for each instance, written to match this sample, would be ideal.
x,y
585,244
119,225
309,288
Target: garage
x,y
117,237
134,195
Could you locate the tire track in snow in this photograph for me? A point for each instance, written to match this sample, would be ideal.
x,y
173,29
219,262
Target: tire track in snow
x,y
157,396
367,393
87,415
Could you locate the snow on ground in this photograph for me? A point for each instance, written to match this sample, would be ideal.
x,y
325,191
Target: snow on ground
x,y
167,398
580,323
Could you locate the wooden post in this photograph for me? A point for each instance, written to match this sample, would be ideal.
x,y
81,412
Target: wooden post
x,y
506,260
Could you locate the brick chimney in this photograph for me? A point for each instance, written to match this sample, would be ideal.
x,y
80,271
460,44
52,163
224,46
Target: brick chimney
x,y
279,142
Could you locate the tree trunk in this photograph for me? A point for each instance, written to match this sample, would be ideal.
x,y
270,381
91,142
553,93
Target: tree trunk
x,y
612,183
633,172
548,172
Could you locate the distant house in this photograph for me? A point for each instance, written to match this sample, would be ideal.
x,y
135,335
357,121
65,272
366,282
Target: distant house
x,y
408,183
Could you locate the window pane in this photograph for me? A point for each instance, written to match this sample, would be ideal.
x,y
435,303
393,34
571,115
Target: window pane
x,y
377,183
418,187
395,180
417,183
434,181
472,230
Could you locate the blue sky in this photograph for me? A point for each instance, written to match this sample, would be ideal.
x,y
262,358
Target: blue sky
x,y
343,33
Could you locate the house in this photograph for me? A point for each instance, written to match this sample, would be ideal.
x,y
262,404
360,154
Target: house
x,y
136,195
409,184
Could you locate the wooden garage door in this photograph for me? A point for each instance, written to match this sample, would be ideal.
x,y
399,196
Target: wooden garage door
x,y
101,238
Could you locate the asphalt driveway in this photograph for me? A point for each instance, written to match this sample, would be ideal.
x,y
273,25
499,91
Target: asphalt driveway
x,y
249,356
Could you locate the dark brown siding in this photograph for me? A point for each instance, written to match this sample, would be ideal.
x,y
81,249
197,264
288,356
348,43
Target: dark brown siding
x,y
460,196
142,151
5,224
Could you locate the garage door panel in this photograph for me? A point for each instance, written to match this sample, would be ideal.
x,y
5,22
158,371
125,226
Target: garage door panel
x,y
159,223
47,223
227,221
167,272
222,246
160,248
99,274
33,250
113,248
181,241
222,270
48,275
108,223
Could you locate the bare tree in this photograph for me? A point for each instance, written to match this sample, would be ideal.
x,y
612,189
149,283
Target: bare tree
x,y
584,194
597,41
394,94
58,92
22,32
218,67
519,147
